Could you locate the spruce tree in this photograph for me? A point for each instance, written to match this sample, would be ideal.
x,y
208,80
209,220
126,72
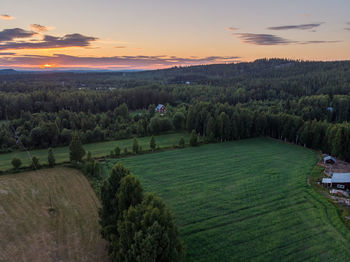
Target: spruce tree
x,y
182,142
51,158
152,143
135,146
138,227
117,151
193,139
76,150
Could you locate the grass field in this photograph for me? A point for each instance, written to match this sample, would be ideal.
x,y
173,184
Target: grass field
x,y
31,231
245,201
97,149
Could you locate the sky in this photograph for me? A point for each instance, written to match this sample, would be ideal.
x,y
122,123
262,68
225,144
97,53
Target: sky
x,y
152,34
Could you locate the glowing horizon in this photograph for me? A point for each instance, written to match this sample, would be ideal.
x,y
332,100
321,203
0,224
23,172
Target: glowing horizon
x,y
162,34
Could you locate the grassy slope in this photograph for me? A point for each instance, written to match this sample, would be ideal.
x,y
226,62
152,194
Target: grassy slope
x,y
246,200
30,233
97,149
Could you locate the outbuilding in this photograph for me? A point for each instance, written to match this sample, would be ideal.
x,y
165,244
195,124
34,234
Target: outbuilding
x,y
341,180
329,160
338,180
160,108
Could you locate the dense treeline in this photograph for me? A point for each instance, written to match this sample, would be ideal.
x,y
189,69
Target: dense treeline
x,y
44,130
13,104
307,103
223,122
306,89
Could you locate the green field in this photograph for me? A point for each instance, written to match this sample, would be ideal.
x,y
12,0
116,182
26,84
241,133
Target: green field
x,y
245,201
97,149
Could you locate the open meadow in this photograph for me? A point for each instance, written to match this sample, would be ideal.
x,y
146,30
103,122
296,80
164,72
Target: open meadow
x,y
246,200
49,215
97,149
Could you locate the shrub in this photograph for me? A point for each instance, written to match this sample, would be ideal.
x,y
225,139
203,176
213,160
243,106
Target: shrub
x,y
16,163
35,163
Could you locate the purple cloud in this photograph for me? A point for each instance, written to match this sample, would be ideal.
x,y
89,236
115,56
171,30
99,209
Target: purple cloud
x,y
295,27
267,39
70,40
263,39
11,34
115,62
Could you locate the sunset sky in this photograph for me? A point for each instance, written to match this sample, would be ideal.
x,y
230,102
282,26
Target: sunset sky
x,y
150,34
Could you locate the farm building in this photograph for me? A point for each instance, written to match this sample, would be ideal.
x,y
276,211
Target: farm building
x,y
160,108
329,160
338,180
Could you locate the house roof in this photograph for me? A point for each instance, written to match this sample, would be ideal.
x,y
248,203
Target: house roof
x,y
329,158
341,178
159,106
326,180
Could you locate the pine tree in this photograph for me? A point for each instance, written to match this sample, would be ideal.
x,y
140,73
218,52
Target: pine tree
x,y
76,150
152,143
51,158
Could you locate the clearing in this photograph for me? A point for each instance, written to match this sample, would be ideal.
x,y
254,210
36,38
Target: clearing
x,y
246,200
97,149
49,215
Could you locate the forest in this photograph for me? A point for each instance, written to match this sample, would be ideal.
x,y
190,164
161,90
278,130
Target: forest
x,y
306,103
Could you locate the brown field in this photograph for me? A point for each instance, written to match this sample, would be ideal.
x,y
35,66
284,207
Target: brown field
x,y
49,215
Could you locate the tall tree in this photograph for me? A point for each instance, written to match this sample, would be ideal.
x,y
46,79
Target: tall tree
x,y
193,138
138,227
152,143
76,150
51,158
135,146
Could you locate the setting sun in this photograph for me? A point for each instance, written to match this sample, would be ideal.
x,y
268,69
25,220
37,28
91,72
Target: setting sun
x,y
46,66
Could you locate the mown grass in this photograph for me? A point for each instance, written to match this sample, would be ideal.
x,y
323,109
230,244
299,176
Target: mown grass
x,y
97,149
247,200
49,215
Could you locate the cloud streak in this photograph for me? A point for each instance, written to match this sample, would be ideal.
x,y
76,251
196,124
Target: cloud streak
x,y
38,28
271,40
232,28
7,54
115,62
263,39
295,27
6,17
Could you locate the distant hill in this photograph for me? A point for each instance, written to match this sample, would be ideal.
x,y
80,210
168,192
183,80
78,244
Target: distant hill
x,y
8,72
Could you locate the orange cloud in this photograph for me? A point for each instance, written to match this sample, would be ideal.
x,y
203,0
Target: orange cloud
x,y
6,17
